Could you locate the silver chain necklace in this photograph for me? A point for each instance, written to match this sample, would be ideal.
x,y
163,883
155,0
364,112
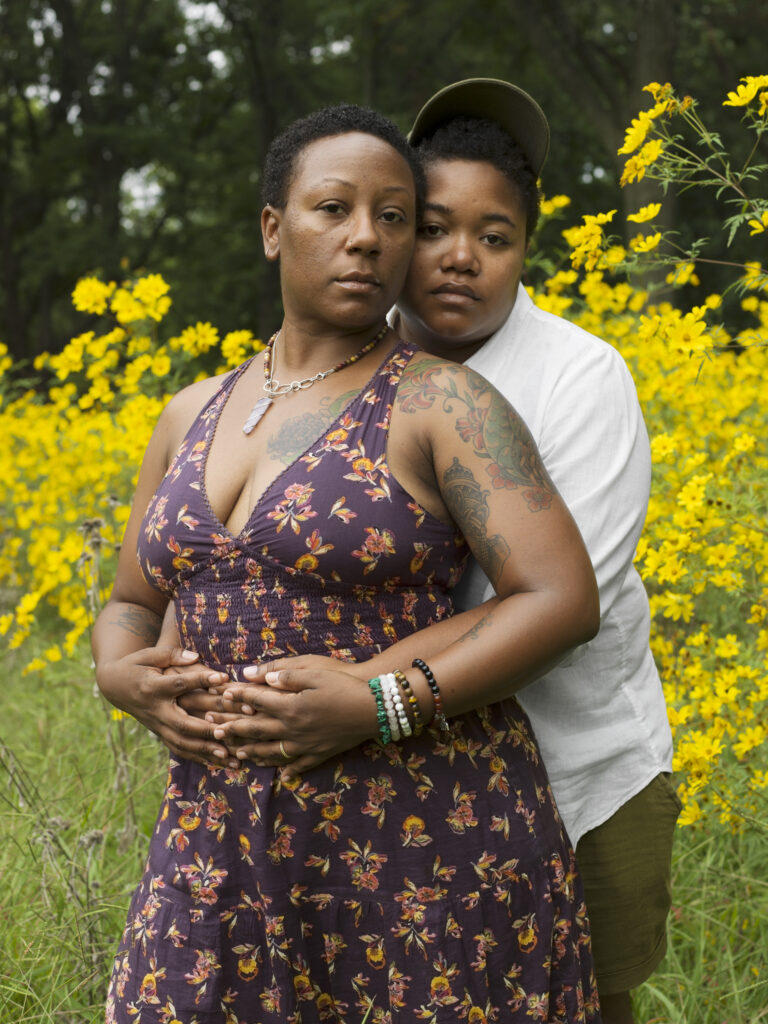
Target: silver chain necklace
x,y
275,389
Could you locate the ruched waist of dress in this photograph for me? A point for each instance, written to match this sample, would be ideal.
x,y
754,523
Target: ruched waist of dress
x,y
247,609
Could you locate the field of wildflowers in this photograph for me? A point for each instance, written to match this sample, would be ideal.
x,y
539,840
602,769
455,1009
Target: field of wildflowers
x,y
74,427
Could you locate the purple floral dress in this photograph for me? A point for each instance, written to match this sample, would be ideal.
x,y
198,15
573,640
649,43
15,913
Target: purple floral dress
x,y
427,880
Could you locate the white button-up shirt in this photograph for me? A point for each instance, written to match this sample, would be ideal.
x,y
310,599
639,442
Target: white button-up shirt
x,y
599,716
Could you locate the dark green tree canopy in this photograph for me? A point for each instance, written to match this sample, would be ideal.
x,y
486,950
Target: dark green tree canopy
x,y
132,132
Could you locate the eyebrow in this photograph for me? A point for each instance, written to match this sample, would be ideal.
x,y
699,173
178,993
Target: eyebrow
x,y
349,184
447,211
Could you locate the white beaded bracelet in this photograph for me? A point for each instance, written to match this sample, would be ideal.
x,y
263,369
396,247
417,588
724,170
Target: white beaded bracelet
x,y
397,699
387,680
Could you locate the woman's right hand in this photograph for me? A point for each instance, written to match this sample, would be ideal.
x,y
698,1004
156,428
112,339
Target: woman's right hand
x,y
147,684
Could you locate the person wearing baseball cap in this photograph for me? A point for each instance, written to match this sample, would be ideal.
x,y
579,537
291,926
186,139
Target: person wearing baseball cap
x,y
599,716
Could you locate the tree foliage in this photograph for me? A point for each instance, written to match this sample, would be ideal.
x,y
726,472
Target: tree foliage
x,y
132,131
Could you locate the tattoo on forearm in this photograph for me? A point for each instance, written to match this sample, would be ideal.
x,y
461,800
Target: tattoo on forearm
x,y
140,622
492,427
474,631
294,436
467,503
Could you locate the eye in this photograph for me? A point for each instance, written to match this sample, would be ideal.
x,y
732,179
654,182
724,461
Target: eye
x,y
392,217
494,240
431,230
332,207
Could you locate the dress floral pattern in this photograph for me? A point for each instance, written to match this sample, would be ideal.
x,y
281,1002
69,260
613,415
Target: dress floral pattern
x,y
428,880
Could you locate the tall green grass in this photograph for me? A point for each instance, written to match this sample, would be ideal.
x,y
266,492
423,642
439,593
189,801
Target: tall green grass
x,y
78,797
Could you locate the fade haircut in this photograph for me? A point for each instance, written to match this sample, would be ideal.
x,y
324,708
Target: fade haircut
x,y
284,150
478,138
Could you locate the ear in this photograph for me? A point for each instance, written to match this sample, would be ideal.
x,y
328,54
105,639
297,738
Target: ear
x,y
270,232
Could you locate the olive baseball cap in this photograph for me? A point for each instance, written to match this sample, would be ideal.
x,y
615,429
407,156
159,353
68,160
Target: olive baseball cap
x,y
511,107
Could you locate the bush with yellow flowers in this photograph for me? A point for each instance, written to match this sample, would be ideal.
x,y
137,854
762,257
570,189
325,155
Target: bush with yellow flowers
x,y
704,552
73,445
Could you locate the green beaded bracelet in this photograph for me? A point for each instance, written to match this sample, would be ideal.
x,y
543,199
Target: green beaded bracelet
x,y
381,712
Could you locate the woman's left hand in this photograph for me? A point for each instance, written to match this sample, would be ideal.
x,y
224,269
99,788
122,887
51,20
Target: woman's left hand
x,y
301,711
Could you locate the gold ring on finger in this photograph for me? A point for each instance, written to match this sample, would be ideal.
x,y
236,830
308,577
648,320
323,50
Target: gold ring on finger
x,y
284,752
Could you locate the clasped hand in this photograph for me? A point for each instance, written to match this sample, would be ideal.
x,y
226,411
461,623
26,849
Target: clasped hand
x,y
293,713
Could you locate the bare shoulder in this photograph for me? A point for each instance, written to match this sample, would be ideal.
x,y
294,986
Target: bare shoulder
x,y
180,412
427,380
468,416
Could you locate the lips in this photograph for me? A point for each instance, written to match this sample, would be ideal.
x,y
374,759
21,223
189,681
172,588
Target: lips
x,y
454,292
359,281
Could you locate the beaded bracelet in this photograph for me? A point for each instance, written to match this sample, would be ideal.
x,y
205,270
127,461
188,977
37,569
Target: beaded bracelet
x,y
439,717
402,716
387,682
418,721
381,713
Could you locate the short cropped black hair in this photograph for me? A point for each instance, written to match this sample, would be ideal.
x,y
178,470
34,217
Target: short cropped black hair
x,y
478,138
280,163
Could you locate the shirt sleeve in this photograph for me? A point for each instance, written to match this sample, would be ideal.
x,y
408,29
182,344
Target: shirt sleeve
x,y
595,447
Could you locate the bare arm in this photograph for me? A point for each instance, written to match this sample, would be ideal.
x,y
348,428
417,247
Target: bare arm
x,y
131,671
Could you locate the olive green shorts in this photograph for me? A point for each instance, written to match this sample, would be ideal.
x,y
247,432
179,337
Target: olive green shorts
x,y
626,867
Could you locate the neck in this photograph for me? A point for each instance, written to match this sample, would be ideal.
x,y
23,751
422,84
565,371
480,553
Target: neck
x,y
454,351
309,350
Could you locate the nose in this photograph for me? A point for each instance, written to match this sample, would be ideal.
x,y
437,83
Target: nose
x,y
460,256
363,233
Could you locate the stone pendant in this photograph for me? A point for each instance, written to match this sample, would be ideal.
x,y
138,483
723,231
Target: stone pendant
x,y
256,413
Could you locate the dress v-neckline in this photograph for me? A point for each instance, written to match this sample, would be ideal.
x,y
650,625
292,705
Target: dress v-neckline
x,y
244,533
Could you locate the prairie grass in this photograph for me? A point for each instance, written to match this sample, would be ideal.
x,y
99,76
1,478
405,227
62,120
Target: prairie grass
x,y
78,797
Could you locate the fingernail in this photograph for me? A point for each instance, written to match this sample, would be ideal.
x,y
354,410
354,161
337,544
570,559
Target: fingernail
x,y
251,671
218,752
189,655
272,677
219,734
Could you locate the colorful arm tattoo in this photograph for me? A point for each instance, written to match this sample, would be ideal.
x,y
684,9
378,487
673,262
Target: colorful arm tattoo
x,y
492,427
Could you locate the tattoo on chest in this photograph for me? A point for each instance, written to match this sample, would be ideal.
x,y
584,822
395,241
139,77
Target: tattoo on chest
x,y
468,504
295,435
140,622
486,422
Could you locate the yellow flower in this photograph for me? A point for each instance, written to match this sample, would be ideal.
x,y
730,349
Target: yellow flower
x,y
745,93
636,166
636,133
550,206
759,225
90,295
645,213
161,363
750,738
645,243
659,92
126,308
683,273
152,292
